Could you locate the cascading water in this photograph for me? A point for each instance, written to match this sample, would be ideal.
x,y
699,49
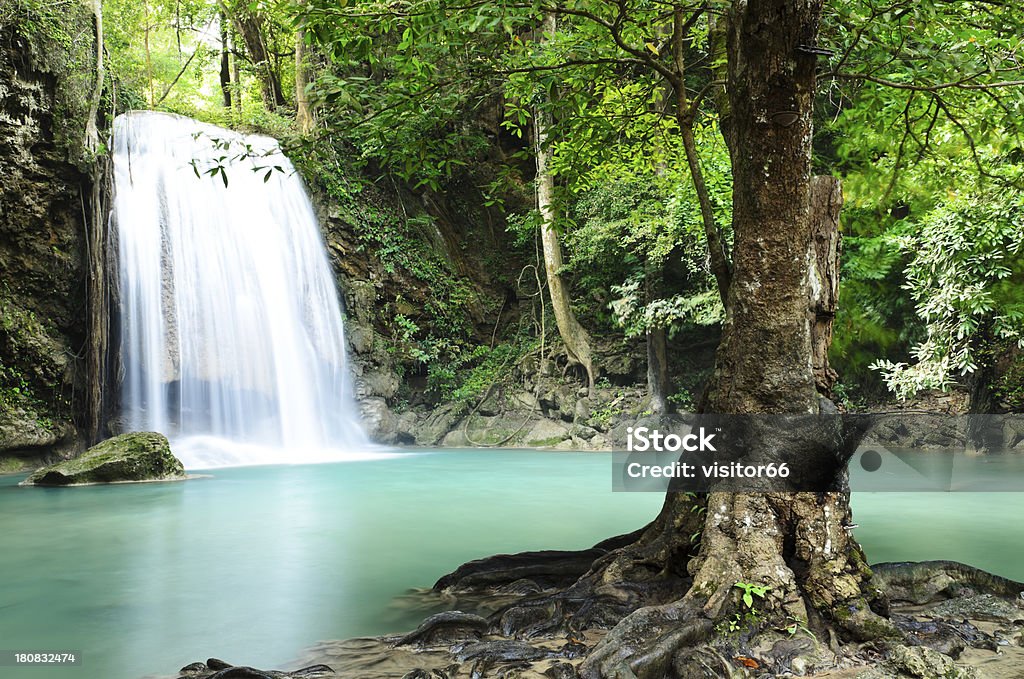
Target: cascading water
x,y
232,338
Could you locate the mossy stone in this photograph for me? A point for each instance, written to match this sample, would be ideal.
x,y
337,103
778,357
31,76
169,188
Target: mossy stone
x,y
137,456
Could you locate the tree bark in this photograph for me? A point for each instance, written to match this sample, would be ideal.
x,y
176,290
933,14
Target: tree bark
x,y
826,201
236,74
796,543
575,337
677,581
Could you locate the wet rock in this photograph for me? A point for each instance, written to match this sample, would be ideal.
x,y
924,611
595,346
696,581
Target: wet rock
x,y
380,423
214,668
493,404
573,649
139,456
418,674
582,410
929,581
434,427
583,432
979,607
925,663
43,108
561,670
933,634
523,400
379,382
241,672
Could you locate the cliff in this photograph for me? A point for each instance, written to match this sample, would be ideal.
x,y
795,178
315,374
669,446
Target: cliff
x,y
46,62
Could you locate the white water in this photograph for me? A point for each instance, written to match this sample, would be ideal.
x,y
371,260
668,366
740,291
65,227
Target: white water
x,y
232,338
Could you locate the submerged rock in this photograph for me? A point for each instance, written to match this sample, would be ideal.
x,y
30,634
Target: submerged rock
x,y
139,456
215,668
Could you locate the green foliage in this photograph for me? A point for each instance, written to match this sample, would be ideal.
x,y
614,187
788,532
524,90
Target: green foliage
x,y
491,367
602,414
405,87
1009,388
966,277
750,591
749,616
43,19
630,224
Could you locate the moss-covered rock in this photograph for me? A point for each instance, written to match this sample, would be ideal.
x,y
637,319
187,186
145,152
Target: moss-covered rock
x,y
46,77
138,456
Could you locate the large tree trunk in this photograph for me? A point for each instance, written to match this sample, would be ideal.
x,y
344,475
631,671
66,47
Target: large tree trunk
x,y
676,582
798,545
575,337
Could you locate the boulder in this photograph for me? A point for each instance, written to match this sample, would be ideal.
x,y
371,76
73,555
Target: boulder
x,y
138,456
547,433
379,422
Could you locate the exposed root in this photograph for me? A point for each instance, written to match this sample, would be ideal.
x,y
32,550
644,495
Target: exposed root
x,y
645,643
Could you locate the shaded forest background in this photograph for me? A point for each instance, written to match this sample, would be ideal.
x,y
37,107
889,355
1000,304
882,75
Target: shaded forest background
x,y
605,260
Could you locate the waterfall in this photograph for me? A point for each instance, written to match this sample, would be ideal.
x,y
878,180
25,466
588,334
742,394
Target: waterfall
x,y
231,327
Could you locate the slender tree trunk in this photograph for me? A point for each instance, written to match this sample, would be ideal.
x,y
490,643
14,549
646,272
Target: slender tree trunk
x,y
575,337
657,344
249,25
225,61
718,252
236,74
92,134
96,363
303,113
981,434
149,56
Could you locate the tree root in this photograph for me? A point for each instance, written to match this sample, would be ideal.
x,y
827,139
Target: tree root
x,y
645,643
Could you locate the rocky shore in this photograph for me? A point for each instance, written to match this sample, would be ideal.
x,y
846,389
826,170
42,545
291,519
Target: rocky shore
x,y
957,623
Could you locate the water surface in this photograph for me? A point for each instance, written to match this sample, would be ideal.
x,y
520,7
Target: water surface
x,y
256,563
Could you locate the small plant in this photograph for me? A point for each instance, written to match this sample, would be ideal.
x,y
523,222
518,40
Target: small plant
x,y
795,625
750,616
750,591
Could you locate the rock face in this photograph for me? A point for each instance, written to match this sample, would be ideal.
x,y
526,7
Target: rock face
x,y
45,77
139,456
